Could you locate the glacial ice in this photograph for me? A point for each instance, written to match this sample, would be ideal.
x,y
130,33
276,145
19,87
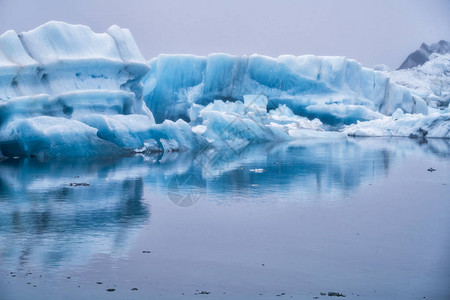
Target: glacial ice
x,y
334,89
430,81
67,91
235,124
434,125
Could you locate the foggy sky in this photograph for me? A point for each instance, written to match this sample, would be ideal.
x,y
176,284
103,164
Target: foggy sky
x,y
372,32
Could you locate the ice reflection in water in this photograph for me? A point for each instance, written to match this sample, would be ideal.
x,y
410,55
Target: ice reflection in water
x,y
46,222
46,219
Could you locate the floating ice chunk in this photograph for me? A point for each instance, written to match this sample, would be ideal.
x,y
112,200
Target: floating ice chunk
x,y
434,125
176,136
235,124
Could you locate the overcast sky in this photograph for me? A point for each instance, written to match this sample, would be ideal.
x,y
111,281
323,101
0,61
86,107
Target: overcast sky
x,y
373,32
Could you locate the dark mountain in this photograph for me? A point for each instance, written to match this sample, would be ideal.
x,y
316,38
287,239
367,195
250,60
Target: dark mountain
x,y
419,57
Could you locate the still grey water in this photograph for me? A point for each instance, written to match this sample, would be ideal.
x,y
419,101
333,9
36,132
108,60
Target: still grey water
x,y
367,218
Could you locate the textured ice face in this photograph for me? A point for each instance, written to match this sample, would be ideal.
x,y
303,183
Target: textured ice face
x,y
236,124
67,91
430,81
434,125
310,86
55,82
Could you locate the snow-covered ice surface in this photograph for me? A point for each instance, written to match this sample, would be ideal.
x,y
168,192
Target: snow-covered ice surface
x,y
430,81
435,125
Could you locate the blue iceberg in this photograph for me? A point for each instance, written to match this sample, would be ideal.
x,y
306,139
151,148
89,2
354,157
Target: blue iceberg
x,y
58,80
66,91
334,89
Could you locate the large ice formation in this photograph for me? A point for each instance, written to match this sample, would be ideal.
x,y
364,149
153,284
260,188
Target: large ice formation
x,y
334,89
431,81
434,125
67,91
234,124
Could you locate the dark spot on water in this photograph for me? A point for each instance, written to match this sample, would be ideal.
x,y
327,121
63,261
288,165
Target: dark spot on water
x,y
323,294
134,289
146,251
335,294
99,282
203,293
110,290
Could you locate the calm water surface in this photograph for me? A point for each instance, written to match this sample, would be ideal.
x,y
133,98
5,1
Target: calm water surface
x,y
362,217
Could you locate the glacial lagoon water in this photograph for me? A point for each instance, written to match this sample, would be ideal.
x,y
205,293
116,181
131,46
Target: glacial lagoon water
x,y
367,218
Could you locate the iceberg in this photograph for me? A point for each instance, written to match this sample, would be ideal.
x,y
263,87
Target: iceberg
x,y
434,125
236,124
67,91
430,81
336,90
